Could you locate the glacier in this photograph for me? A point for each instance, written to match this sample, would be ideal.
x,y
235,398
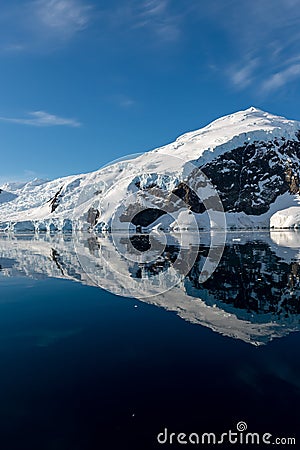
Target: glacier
x,y
251,157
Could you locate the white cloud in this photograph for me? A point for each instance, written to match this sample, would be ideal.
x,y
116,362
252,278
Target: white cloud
x,y
65,16
122,100
42,24
281,78
39,25
153,7
243,75
267,30
155,17
42,119
126,102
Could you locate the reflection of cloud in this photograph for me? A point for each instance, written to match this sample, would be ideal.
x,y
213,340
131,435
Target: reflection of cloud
x,y
42,119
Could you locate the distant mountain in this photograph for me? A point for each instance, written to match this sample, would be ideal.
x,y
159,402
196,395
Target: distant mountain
x,y
252,159
14,186
6,196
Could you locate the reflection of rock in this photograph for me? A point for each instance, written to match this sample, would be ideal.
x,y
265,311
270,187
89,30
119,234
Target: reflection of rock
x,y
253,279
141,242
253,295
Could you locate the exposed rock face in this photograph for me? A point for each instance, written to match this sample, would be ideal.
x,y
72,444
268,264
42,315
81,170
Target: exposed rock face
x,y
139,217
55,201
185,193
250,178
93,215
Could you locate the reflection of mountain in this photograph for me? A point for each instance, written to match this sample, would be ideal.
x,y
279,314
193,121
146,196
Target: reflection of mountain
x,y
253,294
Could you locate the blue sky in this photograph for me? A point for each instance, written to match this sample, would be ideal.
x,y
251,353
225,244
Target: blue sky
x,y
84,82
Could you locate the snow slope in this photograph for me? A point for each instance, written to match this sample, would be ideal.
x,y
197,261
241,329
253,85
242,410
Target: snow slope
x,y
6,196
95,199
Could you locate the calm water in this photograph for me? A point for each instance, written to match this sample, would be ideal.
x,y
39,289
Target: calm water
x,y
84,369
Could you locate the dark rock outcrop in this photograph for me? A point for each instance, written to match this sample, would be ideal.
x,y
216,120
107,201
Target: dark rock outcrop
x,y
54,201
93,216
248,179
251,177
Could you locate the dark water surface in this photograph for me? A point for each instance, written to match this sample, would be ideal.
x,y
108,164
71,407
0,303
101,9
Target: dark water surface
x,y
84,369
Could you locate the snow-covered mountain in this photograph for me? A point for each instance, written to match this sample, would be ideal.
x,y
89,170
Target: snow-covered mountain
x,y
252,159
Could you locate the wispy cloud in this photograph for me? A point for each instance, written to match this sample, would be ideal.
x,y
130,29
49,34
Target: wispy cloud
x,y
263,35
281,78
243,74
42,119
126,102
122,100
156,17
40,24
47,24
63,16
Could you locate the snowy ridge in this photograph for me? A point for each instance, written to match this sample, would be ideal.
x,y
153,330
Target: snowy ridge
x,y
90,200
232,131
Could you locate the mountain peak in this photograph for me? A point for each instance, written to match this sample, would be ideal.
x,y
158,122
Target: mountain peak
x,y
251,113
254,109
249,125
